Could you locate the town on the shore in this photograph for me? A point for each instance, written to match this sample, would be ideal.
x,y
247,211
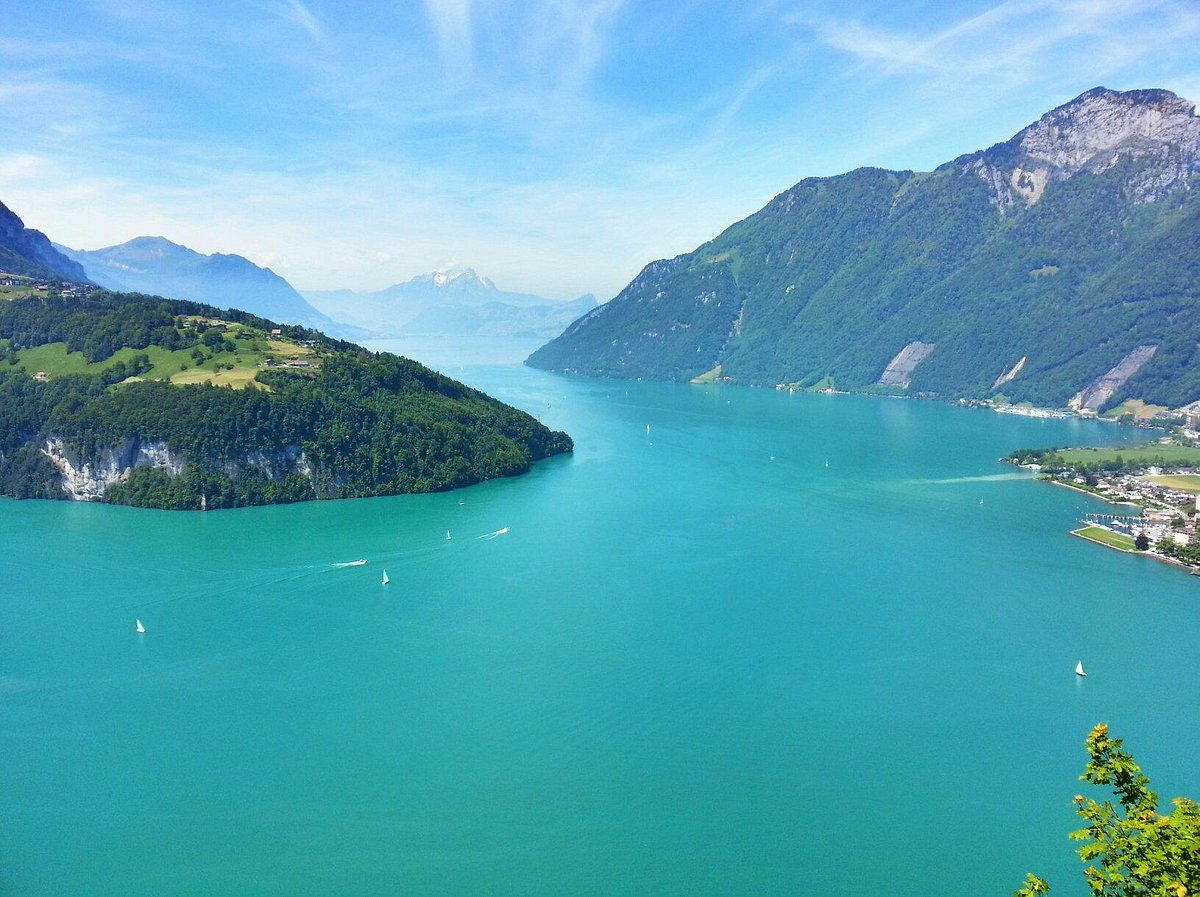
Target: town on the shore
x,y
1155,488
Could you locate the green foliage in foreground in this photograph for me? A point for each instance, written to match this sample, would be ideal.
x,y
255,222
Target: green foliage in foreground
x,y
1132,849
365,424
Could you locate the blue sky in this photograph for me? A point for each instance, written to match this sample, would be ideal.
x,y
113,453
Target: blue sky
x,y
556,145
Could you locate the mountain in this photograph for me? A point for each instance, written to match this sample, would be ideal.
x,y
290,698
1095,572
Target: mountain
x,y
156,266
29,252
139,400
1060,267
457,302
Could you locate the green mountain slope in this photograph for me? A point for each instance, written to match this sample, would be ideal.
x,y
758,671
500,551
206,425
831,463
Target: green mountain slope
x,y
1069,246
327,420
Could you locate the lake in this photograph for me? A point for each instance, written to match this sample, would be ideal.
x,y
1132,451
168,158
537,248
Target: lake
x,y
740,643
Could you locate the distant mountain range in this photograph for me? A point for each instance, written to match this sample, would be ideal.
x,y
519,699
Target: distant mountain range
x,y
452,303
30,253
1061,267
156,266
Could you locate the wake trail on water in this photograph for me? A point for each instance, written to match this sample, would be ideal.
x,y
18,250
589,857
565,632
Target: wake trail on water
x,y
497,533
982,478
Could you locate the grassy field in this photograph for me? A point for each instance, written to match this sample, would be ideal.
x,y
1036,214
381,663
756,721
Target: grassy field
x,y
25,288
284,351
1184,482
55,360
1105,537
179,365
1171,454
1139,409
238,377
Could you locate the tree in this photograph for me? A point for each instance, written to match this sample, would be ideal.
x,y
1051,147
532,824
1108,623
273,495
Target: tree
x,y
1141,542
1140,852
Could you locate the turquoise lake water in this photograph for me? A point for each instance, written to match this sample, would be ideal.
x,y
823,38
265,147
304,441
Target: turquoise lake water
x,y
780,644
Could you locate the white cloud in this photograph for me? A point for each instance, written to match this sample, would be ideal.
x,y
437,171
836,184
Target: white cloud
x,y
296,12
1016,40
23,168
451,20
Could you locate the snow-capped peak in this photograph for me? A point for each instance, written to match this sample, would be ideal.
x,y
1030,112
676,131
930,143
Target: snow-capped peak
x,y
459,276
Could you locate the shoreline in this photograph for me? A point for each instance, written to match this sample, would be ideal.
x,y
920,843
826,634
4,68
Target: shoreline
x,y
1149,552
1099,495
1174,562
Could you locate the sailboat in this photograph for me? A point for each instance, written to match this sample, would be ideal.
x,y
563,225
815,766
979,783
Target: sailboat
x,y
385,578
1079,669
140,627
448,536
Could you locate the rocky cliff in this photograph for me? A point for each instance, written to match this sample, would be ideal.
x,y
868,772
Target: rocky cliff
x,y
29,252
1154,129
86,477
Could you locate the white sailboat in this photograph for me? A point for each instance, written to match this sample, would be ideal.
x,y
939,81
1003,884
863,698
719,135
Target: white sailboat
x,y
385,578
140,627
1079,669
448,536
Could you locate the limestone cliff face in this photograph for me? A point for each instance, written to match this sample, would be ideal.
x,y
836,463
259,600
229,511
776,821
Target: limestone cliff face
x,y
1093,133
85,478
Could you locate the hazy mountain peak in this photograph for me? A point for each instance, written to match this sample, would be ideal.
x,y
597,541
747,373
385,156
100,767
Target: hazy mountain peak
x,y
454,301
461,278
158,266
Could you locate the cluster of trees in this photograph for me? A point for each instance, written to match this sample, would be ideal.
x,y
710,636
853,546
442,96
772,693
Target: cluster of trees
x,y
1050,459
835,275
367,424
1132,849
1188,554
97,325
102,322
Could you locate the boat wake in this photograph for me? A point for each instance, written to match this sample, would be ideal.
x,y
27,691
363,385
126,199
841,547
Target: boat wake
x,y
499,532
986,478
349,564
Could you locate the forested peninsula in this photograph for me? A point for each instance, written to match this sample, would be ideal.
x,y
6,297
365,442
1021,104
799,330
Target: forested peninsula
x,y
146,401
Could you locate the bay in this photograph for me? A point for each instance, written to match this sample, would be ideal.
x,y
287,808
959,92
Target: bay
x,y
772,644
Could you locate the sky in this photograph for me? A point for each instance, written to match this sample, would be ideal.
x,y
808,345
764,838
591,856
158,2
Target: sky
x,y
557,146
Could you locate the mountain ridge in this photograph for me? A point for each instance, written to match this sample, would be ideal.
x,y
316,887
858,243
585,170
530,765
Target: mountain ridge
x,y
1020,250
157,266
458,301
